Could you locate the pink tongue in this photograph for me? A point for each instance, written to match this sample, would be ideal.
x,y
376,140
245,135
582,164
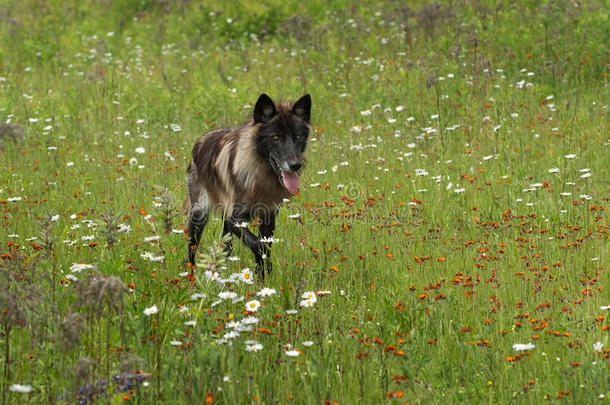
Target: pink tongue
x,y
291,182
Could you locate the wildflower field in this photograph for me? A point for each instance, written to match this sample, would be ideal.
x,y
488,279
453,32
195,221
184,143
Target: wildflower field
x,y
449,243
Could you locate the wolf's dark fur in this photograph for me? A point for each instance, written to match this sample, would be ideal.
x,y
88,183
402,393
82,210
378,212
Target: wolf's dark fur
x,y
246,171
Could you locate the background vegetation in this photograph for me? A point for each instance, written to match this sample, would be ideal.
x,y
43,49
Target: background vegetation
x,y
454,203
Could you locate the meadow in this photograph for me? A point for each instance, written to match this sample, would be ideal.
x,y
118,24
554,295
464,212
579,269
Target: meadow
x,y
449,243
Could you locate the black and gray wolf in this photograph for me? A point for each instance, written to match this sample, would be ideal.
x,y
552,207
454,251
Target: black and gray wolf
x,y
245,172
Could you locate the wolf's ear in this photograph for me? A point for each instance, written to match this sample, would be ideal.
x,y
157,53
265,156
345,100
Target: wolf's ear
x,y
264,109
302,108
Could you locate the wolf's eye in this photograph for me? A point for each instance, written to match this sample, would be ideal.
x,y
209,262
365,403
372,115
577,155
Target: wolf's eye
x,y
275,138
298,137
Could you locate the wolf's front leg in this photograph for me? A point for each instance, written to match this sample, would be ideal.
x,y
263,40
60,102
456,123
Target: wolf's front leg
x,y
226,229
249,239
266,230
198,218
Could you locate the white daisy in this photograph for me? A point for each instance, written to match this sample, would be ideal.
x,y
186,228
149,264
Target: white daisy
x,y
520,346
254,347
253,305
24,389
293,353
226,295
151,310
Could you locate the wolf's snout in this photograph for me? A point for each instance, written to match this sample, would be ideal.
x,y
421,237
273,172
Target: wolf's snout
x,y
295,166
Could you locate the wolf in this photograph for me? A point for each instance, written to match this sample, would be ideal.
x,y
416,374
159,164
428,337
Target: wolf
x,y
246,172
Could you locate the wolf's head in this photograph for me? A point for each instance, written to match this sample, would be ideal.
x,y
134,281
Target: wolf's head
x,y
282,137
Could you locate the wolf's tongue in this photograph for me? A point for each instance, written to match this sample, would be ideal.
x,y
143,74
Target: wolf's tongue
x,y
291,182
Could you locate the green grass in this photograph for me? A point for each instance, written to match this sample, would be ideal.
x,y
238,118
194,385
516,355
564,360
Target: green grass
x,y
428,207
